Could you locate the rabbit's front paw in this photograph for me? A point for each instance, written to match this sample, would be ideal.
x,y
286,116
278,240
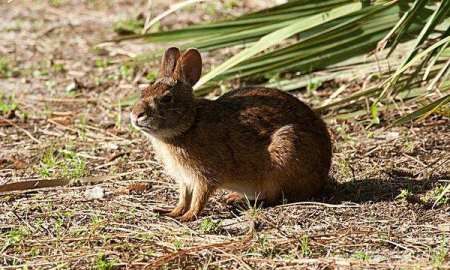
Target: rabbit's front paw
x,y
176,212
188,216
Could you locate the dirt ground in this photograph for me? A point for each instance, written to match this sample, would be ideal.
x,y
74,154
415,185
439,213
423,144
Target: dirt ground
x,y
60,118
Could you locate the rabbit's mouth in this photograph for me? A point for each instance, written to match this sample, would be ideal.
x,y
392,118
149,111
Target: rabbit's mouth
x,y
147,130
158,126
160,133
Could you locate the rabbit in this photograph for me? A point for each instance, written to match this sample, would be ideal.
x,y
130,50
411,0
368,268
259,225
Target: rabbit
x,y
259,143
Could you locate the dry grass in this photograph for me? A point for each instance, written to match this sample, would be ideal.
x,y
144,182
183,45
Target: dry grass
x,y
67,125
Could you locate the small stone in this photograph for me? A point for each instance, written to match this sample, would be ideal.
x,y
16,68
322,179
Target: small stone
x,y
73,86
95,193
391,135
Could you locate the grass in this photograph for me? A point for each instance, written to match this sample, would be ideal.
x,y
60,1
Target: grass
x,y
313,85
16,236
440,254
118,120
344,168
263,247
178,244
151,75
305,248
128,27
438,196
252,210
58,67
56,3
209,226
103,263
48,164
126,72
361,255
5,69
61,163
102,62
7,104
404,195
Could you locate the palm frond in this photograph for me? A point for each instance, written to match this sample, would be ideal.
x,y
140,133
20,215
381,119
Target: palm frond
x,y
424,111
303,36
278,36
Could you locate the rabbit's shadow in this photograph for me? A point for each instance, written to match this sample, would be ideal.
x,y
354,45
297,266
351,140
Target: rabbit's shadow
x,y
378,189
371,190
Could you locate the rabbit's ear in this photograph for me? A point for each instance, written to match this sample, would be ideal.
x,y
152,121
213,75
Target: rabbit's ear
x,y
189,67
169,62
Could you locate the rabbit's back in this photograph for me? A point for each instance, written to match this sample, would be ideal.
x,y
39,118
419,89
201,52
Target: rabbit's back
x,y
267,109
257,140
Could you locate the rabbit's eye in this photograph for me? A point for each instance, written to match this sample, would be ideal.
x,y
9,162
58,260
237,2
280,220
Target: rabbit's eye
x,y
166,98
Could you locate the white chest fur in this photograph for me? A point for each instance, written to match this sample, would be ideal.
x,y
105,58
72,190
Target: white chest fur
x,y
172,161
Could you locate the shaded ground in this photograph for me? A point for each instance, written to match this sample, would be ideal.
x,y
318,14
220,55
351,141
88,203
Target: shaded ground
x,y
384,211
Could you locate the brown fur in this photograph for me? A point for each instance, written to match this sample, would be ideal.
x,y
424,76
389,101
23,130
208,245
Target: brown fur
x,y
259,142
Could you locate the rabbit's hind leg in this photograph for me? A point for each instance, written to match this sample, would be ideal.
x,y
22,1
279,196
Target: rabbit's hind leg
x,y
234,198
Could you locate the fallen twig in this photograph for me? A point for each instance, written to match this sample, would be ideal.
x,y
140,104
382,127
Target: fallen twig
x,y
25,186
345,205
22,129
171,256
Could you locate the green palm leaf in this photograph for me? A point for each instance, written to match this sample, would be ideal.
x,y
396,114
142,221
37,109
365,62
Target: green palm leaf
x,y
302,36
278,36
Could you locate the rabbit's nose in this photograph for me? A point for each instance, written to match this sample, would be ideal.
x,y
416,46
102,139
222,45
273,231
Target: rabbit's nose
x,y
137,117
141,116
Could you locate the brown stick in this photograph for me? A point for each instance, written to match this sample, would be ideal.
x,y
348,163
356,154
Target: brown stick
x,y
36,184
172,256
22,129
33,184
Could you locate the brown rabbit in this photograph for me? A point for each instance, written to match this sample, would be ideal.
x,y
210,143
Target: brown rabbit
x,y
261,143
